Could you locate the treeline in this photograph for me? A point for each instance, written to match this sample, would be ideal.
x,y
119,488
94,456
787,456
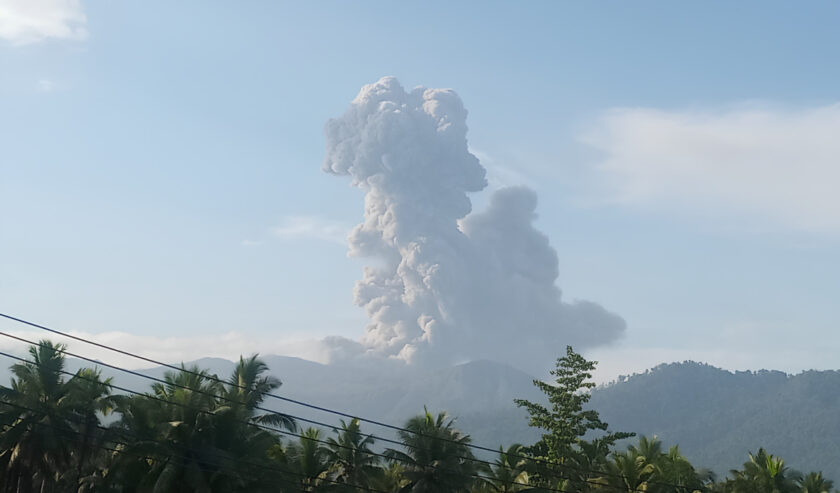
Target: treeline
x,y
195,432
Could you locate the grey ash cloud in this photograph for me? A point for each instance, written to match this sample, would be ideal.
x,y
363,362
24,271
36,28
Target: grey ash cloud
x,y
447,284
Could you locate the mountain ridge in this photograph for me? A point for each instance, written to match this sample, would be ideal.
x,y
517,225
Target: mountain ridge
x,y
716,416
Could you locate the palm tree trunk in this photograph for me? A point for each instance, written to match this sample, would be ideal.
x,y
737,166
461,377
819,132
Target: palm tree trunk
x,y
82,454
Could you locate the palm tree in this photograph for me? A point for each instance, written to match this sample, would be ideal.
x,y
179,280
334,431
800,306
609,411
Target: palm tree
x,y
140,425
508,473
247,388
814,482
675,473
307,461
90,396
584,464
47,421
648,448
437,457
645,467
629,471
174,424
242,430
390,479
764,473
353,461
205,435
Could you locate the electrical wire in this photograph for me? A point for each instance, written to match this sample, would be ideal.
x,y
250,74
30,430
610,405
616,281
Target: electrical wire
x,y
294,401
169,456
289,433
285,399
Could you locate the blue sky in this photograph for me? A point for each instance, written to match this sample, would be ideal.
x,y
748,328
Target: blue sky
x,y
161,164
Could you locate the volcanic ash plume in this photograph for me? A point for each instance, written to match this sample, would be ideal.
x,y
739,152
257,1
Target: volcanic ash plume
x,y
449,285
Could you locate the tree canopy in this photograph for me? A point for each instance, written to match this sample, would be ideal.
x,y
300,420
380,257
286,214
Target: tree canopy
x,y
195,432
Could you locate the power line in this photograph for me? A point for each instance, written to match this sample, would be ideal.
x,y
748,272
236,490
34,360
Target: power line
x,y
288,433
212,377
299,418
294,401
168,456
285,399
218,380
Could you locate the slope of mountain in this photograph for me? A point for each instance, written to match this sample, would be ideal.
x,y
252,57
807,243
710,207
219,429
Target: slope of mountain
x,y
478,394
717,416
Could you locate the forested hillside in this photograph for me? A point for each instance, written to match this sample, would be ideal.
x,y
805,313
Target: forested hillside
x,y
192,430
717,416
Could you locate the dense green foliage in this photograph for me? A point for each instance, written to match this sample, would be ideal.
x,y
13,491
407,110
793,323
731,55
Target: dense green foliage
x,y
193,432
567,422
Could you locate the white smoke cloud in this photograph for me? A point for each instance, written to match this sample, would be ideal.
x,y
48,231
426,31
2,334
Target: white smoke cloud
x,y
449,285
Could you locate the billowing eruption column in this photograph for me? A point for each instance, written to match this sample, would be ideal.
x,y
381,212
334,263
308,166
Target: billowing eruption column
x,y
449,285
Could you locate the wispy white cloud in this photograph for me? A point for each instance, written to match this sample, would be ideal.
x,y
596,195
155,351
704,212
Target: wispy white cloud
x,y
175,349
250,243
778,166
311,227
31,21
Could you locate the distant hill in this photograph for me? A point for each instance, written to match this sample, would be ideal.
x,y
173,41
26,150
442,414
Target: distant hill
x,y
717,416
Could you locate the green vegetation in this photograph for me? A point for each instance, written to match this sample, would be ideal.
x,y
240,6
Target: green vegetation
x,y
718,416
562,449
193,432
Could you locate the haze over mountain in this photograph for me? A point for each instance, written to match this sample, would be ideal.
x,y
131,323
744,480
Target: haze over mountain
x,y
479,394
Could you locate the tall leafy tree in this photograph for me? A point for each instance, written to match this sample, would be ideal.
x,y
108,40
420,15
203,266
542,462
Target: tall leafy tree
x,y
566,422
